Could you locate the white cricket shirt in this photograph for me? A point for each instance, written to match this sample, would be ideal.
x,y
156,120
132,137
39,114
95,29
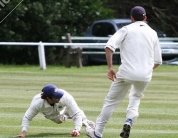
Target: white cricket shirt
x,y
51,112
139,50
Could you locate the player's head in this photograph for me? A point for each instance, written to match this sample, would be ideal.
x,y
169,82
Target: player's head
x,y
138,13
51,91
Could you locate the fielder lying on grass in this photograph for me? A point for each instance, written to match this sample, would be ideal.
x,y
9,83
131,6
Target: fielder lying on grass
x,y
56,105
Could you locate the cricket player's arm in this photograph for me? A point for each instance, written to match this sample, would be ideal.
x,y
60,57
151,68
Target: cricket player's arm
x,y
22,135
113,43
111,71
74,112
155,66
109,55
29,115
157,54
25,123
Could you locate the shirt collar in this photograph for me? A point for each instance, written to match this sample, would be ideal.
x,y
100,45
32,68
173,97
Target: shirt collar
x,y
46,104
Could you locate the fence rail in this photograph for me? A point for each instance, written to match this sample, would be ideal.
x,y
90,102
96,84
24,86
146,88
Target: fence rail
x,y
167,47
106,38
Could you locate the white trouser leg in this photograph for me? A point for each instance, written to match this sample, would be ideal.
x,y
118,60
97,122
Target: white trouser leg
x,y
136,93
118,90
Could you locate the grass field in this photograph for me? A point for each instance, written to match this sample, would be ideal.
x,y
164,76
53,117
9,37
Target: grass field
x,y
89,86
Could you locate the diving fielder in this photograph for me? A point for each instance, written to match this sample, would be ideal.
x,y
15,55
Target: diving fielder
x,y
56,105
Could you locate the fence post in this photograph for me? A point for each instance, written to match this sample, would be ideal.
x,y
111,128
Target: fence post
x,y
41,54
73,54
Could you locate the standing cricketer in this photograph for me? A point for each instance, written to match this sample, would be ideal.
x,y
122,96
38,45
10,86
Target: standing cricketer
x,y
140,54
57,105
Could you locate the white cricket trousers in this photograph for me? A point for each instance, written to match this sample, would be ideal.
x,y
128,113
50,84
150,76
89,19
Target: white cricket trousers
x,y
117,92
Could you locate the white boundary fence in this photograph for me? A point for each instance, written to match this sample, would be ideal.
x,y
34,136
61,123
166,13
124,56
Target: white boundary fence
x,y
167,47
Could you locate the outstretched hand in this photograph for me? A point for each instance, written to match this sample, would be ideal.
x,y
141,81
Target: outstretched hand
x,y
111,74
22,135
75,133
19,136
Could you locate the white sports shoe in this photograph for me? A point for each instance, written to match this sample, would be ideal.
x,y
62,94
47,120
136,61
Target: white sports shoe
x,y
91,124
89,131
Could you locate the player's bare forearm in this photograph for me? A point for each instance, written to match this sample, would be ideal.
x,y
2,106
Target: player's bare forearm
x,y
155,66
111,72
109,54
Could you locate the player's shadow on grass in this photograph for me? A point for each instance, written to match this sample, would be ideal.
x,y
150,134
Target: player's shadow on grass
x,y
49,135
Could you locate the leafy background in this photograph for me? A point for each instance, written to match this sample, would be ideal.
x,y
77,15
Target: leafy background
x,y
47,21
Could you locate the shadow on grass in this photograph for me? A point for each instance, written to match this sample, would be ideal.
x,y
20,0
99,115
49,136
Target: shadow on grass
x,y
49,135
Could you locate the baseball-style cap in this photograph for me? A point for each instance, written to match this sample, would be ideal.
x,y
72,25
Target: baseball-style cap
x,y
51,90
138,11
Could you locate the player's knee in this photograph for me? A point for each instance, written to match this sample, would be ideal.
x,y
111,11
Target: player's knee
x,y
136,96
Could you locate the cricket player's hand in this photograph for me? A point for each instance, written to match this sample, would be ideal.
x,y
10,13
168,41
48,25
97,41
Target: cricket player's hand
x,y
111,74
75,133
22,135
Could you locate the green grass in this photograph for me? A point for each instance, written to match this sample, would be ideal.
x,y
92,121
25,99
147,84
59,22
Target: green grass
x,y
89,86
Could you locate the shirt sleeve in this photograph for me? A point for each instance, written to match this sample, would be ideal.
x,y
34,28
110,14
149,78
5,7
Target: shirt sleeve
x,y
29,115
73,110
77,119
116,40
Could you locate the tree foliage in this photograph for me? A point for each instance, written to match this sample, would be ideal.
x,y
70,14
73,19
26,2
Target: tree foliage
x,y
162,13
47,21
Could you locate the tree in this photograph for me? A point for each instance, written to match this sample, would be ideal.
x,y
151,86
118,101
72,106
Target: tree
x,y
47,21
162,13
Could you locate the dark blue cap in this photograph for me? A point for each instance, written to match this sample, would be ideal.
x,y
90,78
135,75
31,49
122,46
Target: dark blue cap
x,y
138,11
52,91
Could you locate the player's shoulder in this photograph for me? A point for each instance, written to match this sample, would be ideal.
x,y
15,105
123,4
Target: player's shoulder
x,y
62,90
151,31
37,98
67,96
65,92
